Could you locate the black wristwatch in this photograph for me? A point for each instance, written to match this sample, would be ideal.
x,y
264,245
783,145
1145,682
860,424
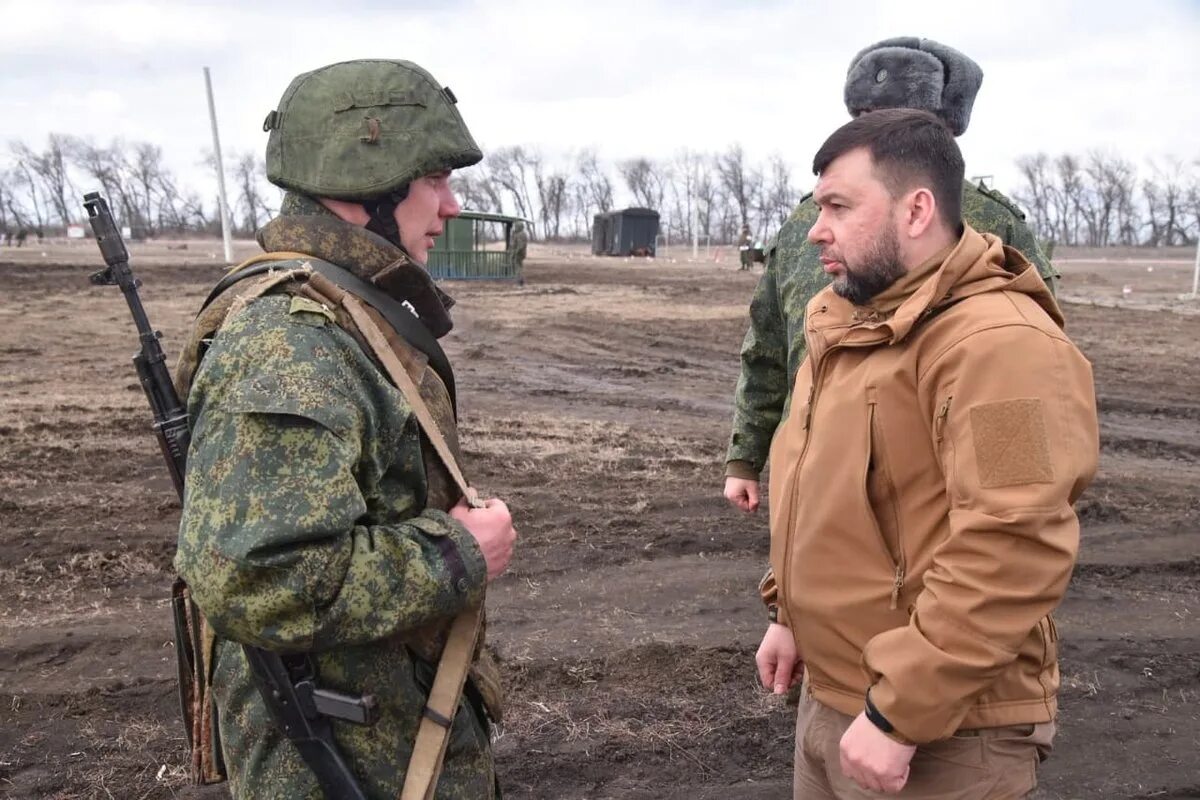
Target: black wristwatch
x,y
877,719
773,612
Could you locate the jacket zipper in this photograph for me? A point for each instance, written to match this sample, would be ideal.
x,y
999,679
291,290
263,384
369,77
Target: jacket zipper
x,y
897,561
939,424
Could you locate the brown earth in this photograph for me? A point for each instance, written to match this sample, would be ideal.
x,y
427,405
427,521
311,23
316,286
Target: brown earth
x,y
596,399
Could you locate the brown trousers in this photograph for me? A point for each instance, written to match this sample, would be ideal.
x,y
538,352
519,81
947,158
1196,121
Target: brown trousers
x,y
982,764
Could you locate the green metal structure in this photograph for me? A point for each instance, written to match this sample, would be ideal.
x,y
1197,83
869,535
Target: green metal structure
x,y
474,246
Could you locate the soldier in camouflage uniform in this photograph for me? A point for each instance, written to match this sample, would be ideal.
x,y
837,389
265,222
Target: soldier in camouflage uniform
x,y
316,519
745,254
519,245
903,72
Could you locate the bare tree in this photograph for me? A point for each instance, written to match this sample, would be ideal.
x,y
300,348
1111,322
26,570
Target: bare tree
x,y
685,171
553,199
249,174
740,184
1036,195
511,169
645,180
594,188
23,178
1165,197
47,171
709,201
103,166
476,191
5,198
779,195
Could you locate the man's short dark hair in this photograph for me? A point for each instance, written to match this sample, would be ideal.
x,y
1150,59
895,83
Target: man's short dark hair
x,y
908,147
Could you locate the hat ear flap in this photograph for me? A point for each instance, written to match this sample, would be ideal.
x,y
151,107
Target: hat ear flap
x,y
963,79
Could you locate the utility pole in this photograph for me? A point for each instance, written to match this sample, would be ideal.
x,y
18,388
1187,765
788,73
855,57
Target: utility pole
x,y
695,229
221,202
1196,272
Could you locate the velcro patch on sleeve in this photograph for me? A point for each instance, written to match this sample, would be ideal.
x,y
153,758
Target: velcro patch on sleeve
x,y
1011,446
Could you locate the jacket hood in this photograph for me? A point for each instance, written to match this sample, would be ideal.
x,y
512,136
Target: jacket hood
x,y
977,264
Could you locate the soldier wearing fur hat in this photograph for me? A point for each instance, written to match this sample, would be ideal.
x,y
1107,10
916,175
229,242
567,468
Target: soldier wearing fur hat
x,y
325,510
903,72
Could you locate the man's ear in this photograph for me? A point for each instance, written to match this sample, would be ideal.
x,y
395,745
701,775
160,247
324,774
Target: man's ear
x,y
354,213
921,212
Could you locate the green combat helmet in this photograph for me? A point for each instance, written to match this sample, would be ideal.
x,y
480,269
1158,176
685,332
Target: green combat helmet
x,y
362,131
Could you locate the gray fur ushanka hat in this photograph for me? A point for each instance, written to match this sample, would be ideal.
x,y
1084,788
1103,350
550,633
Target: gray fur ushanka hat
x,y
907,72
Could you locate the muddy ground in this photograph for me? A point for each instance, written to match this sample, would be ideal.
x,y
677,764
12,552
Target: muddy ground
x,y
596,399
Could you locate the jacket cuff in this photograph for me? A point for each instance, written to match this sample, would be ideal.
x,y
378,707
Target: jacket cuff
x,y
462,558
741,469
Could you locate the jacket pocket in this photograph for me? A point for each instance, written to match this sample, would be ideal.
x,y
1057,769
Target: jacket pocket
x,y
880,490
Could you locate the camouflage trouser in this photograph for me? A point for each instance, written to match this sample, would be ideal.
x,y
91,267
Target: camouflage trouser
x,y
747,258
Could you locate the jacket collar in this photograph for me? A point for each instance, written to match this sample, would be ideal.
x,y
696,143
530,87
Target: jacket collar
x,y
306,226
976,264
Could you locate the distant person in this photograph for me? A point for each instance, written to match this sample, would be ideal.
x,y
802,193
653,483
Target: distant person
x,y
904,72
22,235
5,237
922,528
745,249
518,247
40,235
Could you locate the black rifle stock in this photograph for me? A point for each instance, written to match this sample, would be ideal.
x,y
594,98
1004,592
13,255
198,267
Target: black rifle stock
x,y
300,709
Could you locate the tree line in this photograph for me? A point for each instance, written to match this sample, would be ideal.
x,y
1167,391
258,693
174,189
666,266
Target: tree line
x,y
1096,199
1100,199
39,188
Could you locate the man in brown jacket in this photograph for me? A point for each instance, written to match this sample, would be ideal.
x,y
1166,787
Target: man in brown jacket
x,y
922,528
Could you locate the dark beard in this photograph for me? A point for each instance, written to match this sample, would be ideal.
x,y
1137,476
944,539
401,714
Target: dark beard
x,y
879,269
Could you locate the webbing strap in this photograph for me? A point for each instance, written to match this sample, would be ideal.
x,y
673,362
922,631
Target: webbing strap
x,y
401,318
378,342
420,781
433,732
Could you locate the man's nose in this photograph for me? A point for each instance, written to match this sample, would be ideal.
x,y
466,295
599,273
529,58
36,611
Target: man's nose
x,y
449,206
819,232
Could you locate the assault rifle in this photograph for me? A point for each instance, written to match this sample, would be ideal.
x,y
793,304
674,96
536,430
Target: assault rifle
x,y
287,683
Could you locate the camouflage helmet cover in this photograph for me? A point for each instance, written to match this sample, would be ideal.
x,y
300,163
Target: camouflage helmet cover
x,y
357,130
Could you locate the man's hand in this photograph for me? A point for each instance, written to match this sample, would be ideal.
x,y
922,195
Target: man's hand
x,y
742,493
493,529
874,760
779,665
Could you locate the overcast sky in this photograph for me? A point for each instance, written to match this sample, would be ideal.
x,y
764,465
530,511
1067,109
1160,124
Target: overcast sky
x,y
628,77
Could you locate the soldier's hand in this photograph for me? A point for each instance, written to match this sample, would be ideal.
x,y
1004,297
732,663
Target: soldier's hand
x,y
493,529
779,664
742,493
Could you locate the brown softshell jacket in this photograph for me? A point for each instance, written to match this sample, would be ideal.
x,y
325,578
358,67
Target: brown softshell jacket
x,y
922,527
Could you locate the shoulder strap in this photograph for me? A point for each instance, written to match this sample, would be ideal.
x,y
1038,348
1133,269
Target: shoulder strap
x,y
400,317
433,732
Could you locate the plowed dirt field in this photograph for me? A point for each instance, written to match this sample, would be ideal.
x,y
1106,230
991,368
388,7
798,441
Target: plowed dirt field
x,y
596,400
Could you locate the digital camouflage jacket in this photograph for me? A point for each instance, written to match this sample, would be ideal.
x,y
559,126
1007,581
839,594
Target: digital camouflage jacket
x,y
774,344
312,522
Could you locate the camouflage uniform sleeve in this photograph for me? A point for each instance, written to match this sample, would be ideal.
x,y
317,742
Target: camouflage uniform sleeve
x,y
298,451
761,391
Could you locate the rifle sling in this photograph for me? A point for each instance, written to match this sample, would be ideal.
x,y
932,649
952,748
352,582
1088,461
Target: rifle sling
x,y
404,321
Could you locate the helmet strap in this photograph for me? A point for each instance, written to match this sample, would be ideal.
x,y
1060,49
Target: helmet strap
x,y
382,212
